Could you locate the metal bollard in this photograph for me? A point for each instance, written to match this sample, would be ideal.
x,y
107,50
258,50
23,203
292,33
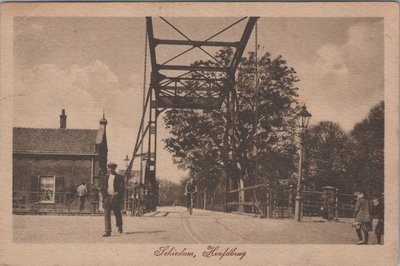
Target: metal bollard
x,y
290,204
336,205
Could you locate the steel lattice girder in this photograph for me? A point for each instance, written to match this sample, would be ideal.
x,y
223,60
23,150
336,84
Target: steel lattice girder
x,y
193,89
206,92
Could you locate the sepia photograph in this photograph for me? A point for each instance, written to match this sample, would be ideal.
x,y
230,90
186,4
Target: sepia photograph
x,y
199,137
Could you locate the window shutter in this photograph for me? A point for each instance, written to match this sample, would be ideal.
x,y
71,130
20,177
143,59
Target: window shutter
x,y
34,189
59,183
34,184
59,189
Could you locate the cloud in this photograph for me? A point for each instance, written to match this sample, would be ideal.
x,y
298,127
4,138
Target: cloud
x,y
97,79
343,81
331,60
83,90
47,88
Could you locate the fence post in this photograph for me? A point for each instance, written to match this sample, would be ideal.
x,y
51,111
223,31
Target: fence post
x,y
336,205
241,196
268,202
263,203
290,204
205,200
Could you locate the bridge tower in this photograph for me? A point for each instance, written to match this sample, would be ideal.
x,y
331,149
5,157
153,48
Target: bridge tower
x,y
171,87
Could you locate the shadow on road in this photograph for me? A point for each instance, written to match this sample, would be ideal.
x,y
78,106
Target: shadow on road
x,y
144,232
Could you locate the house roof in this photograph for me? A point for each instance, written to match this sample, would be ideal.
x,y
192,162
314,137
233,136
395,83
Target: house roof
x,y
56,140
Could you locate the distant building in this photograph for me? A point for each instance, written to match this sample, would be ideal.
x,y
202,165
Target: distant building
x,y
47,160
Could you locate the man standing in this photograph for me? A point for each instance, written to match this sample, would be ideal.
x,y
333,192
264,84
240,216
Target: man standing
x,y
71,193
112,192
94,197
82,191
140,191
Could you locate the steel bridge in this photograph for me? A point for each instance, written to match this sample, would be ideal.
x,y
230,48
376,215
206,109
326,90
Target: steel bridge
x,y
188,86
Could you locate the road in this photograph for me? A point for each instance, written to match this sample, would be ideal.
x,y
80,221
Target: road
x,y
175,225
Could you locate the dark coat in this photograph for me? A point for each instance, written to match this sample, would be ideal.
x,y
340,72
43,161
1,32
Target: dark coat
x,y
119,187
378,211
363,210
94,194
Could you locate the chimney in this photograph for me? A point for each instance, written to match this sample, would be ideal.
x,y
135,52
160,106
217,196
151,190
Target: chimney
x,y
103,121
63,119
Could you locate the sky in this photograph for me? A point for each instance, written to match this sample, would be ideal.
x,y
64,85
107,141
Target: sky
x,y
90,65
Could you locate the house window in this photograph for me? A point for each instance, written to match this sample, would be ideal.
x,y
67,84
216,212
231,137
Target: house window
x,y
47,189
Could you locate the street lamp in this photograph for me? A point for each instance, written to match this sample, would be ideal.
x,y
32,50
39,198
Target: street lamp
x,y
303,118
126,160
127,177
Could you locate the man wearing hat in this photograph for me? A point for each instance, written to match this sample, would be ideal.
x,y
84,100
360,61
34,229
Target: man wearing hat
x,y
112,192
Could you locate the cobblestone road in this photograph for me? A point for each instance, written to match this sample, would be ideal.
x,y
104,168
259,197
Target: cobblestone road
x,y
175,225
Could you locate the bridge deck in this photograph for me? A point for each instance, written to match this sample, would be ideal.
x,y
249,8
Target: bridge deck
x,y
175,225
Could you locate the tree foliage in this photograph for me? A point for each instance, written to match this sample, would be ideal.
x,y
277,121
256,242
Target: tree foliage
x,y
170,193
332,157
197,136
367,164
327,149
346,161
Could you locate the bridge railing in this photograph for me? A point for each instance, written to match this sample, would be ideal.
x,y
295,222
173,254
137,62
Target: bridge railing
x,y
279,202
253,201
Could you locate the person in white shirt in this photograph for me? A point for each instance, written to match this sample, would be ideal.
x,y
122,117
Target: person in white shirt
x,y
112,192
82,191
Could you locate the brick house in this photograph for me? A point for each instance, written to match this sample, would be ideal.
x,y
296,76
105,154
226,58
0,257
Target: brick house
x,y
47,160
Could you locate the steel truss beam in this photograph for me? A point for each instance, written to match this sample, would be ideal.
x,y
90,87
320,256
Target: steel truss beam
x,y
195,43
229,70
200,87
191,68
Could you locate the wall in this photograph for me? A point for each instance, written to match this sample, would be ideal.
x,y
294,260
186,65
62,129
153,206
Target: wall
x,y
72,168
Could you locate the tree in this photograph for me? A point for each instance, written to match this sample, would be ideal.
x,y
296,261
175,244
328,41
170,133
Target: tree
x,y
270,137
367,164
327,149
170,193
197,136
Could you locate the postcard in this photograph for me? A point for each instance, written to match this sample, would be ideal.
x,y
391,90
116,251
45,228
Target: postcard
x,y
183,133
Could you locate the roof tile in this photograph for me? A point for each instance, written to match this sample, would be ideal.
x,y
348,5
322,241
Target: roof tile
x,y
54,140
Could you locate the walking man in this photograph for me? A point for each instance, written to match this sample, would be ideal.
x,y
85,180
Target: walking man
x,y
112,192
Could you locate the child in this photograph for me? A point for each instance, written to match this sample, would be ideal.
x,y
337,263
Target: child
x,y
377,219
362,218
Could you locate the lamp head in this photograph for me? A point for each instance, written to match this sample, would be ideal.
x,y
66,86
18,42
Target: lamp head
x,y
303,117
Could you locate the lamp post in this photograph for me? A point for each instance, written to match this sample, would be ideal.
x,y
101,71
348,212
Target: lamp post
x,y
127,176
303,117
126,160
